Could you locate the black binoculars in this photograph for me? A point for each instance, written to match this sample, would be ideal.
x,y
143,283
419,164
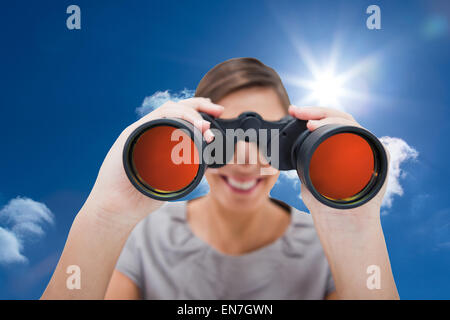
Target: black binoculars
x,y
342,166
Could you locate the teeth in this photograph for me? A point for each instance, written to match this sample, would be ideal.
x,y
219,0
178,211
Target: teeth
x,y
242,185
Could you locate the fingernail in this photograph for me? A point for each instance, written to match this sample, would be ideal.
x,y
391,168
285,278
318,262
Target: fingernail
x,y
311,124
201,123
209,135
198,123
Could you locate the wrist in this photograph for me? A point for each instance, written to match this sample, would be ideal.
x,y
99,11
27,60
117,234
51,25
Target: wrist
x,y
349,233
360,219
103,220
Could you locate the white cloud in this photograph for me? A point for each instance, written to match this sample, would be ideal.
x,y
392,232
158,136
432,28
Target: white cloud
x,y
400,152
10,247
290,175
160,97
22,219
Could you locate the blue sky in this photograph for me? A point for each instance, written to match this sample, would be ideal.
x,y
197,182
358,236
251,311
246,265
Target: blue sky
x,y
67,94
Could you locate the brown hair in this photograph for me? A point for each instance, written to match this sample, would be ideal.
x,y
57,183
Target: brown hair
x,y
239,73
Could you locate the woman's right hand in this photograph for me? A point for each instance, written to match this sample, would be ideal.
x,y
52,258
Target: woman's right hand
x,y
113,196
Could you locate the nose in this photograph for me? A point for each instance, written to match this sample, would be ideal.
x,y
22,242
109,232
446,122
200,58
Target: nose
x,y
248,156
246,153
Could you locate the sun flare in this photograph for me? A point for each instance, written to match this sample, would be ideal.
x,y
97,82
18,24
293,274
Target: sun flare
x,y
326,89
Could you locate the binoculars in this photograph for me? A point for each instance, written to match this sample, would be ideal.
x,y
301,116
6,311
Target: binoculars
x,y
342,166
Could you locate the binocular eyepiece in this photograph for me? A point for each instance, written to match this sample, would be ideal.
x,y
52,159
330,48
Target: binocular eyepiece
x,y
342,166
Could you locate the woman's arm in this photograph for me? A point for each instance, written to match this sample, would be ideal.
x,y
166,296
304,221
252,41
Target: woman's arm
x,y
94,245
353,239
112,210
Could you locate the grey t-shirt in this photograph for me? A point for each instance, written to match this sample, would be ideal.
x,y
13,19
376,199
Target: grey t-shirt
x,y
167,261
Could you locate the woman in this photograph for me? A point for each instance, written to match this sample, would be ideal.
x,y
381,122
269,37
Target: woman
x,y
235,242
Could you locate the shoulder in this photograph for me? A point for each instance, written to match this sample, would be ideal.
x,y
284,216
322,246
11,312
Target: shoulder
x,y
161,218
168,211
302,222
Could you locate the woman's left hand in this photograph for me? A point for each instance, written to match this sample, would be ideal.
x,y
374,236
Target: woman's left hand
x,y
317,117
352,239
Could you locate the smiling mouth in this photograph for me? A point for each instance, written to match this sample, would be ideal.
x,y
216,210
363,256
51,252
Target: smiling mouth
x,y
246,186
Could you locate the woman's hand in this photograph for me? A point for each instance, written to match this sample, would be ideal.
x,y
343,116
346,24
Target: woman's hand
x,y
113,195
112,209
352,239
317,117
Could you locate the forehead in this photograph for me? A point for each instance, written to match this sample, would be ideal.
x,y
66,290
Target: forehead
x,y
263,100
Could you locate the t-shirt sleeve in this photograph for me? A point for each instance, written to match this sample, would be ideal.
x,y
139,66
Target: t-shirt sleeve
x,y
129,260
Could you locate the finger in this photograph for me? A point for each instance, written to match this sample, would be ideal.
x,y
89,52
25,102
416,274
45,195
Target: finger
x,y
204,105
176,110
187,113
317,113
314,124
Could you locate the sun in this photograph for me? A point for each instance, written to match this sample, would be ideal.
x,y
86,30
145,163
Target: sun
x,y
326,89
